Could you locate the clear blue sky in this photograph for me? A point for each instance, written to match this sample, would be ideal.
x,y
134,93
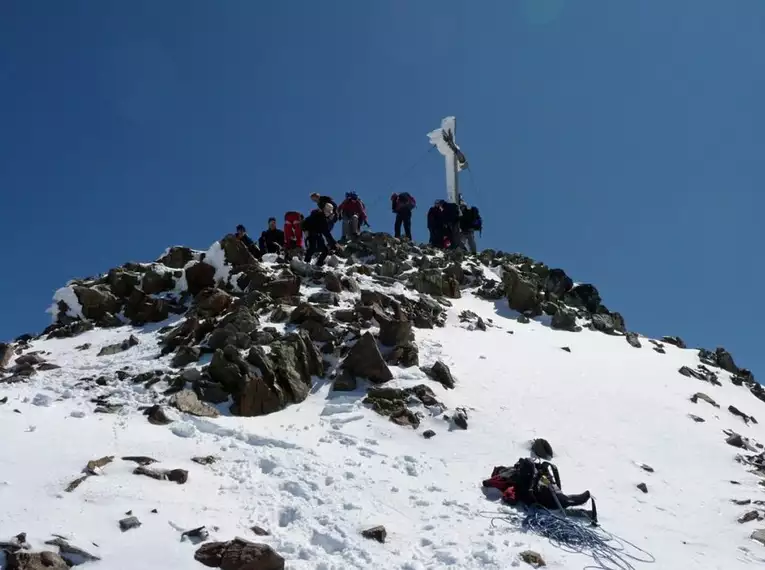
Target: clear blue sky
x,y
622,141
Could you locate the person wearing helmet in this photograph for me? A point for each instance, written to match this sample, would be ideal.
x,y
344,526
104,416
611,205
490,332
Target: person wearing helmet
x,y
353,213
402,205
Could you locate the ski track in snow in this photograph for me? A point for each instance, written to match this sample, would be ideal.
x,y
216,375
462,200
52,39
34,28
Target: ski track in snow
x,y
319,472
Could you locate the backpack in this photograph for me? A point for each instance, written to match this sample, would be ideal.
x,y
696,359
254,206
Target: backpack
x,y
471,219
405,201
521,482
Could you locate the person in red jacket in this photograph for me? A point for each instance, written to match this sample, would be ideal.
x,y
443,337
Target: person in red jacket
x,y
353,213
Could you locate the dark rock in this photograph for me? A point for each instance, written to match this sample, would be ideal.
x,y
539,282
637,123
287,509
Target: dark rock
x,y
440,373
179,476
702,374
157,415
345,382
71,330
284,287
427,434
206,460
122,282
317,331
126,344
141,308
239,554
608,323
307,312
333,282
566,348
96,302
324,298
76,483
405,356
736,441
95,466
345,316
565,320
188,402
279,315
185,355
129,523
460,418
701,396
259,531
725,360
73,555
236,254
211,302
45,560
365,361
646,468
585,296
139,459
253,278
532,558
199,276
155,281
522,292
31,359
643,487
759,536
176,257
557,284
736,412
633,339
696,419
48,366
749,517
542,448
377,533
674,340
395,332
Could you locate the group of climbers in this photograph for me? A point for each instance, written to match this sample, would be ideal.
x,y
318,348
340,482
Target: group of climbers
x,y
451,226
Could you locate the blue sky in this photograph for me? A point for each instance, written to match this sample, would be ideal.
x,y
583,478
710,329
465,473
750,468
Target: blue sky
x,y
622,141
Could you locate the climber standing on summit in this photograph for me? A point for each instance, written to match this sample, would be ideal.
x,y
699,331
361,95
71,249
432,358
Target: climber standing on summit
x,y
470,222
320,238
271,240
321,202
451,220
353,213
436,224
402,205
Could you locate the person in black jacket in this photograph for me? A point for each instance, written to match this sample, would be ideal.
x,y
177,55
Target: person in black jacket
x,y
271,240
321,203
451,217
402,205
241,235
436,224
320,238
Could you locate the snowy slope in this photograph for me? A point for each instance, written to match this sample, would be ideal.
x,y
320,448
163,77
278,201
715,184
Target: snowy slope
x,y
319,472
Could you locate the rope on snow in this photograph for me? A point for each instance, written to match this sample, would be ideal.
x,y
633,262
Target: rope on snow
x,y
608,551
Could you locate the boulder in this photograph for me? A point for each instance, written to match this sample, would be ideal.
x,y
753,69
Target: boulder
x,y
674,340
345,382
585,296
211,302
199,276
440,373
324,298
45,560
533,559
633,339
156,281
317,331
236,253
141,308
701,396
557,284
283,287
565,320
6,352
122,282
609,323
97,302
253,278
71,330
521,291
333,282
404,355
377,533
239,554
365,361
759,536
184,356
395,332
307,312
188,402
176,257
345,315
725,360
126,344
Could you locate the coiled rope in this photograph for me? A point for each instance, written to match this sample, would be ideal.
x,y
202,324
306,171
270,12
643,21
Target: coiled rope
x,y
608,551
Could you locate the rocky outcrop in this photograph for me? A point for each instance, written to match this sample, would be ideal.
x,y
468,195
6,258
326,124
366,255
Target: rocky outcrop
x,y
440,373
211,302
126,344
239,554
199,276
156,281
188,402
236,254
6,353
45,560
142,308
176,257
265,383
98,303
522,292
365,361
395,332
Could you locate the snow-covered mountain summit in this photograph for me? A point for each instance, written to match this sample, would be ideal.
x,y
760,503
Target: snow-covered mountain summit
x,y
210,410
